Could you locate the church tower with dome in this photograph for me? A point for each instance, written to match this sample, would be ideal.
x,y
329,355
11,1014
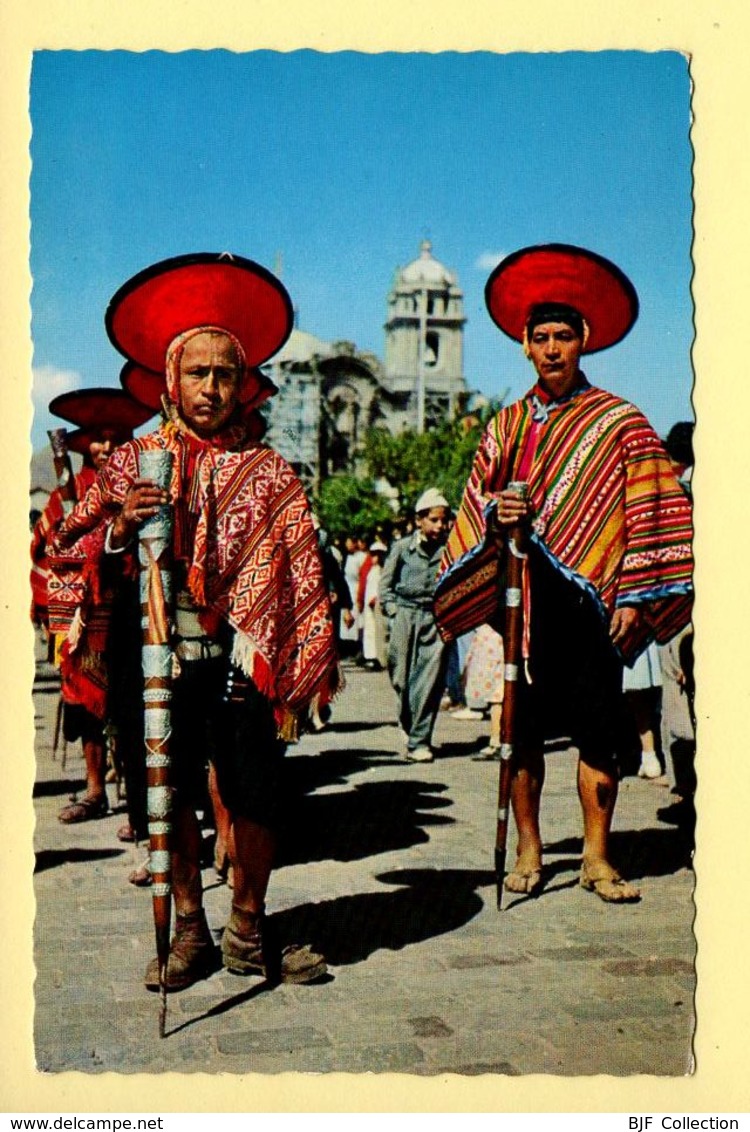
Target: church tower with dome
x,y
424,340
332,393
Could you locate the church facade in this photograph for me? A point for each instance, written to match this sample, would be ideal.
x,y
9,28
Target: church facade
x,y
331,393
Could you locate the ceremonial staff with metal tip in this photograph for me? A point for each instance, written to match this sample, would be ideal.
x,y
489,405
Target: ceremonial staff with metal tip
x,y
66,481
513,543
155,558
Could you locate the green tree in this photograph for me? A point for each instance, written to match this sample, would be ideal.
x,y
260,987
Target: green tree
x,y
348,504
439,457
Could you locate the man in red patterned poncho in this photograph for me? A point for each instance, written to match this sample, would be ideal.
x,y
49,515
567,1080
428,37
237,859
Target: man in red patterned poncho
x,y
254,636
106,418
609,564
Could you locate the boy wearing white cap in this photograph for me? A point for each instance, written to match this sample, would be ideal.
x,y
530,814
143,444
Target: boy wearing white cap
x,y
416,652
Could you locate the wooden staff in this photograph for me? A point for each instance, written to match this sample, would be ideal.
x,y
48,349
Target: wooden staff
x,y
155,558
66,481
515,547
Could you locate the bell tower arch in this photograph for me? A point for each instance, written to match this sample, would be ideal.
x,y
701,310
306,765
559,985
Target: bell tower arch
x,y
424,339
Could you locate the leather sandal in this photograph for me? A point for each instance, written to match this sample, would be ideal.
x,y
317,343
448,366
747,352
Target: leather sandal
x,y
84,810
606,882
141,877
488,754
526,876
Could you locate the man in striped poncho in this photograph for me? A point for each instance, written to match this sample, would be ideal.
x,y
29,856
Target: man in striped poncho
x,y
610,562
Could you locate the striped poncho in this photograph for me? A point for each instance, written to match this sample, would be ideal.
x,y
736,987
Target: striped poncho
x,y
608,513
245,544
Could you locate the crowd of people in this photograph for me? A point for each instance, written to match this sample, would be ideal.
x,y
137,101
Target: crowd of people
x,y
265,606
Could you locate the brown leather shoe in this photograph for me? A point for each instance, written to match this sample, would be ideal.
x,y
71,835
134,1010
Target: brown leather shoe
x,y
249,947
242,944
192,955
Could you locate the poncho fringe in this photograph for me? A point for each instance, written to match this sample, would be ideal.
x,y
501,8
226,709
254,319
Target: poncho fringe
x,y
244,537
609,515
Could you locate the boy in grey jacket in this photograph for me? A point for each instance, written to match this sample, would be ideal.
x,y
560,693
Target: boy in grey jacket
x,y
416,652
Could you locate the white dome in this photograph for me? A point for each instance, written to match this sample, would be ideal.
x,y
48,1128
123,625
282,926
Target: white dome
x,y
300,347
427,269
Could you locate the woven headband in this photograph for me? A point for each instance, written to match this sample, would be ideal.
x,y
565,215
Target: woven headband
x,y
176,349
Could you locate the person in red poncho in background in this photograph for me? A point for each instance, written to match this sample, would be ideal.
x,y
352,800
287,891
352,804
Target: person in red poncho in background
x,y
106,419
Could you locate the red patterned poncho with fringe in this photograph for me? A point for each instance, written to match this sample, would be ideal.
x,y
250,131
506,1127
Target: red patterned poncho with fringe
x,y
56,594
44,531
608,513
248,553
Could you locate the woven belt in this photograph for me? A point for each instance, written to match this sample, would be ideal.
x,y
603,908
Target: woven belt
x,y
200,648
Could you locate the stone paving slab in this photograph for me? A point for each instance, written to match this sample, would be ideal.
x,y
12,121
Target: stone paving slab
x,y
389,871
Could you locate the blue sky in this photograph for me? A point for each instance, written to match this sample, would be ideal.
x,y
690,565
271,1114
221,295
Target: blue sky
x,y
342,164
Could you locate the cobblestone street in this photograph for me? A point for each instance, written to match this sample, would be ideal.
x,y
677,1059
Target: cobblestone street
x,y
387,869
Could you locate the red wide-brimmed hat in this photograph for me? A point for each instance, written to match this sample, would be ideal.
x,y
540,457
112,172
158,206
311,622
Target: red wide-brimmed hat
x,y
149,388
564,274
205,289
80,440
95,409
256,425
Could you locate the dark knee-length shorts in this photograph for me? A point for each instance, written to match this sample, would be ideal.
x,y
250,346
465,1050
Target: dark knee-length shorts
x,y
236,732
576,688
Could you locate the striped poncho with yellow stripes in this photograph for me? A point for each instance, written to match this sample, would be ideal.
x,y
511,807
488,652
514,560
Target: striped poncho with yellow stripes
x,y
608,513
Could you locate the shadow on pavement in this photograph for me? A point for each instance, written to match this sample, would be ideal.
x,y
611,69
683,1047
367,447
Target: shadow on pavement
x,y
305,773
639,852
53,858
222,1007
55,786
47,683
348,929
427,903
364,820
460,750
356,725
